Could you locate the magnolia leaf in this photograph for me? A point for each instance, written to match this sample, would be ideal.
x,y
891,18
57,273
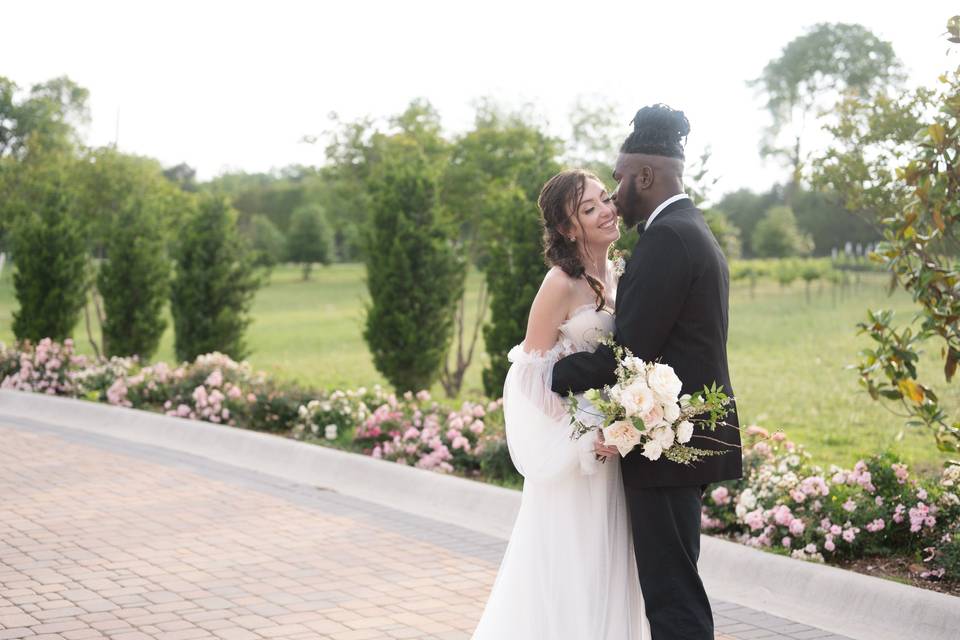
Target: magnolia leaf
x,y
950,368
938,133
911,389
938,219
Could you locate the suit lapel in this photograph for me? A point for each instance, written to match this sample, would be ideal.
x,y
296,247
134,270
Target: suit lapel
x,y
685,204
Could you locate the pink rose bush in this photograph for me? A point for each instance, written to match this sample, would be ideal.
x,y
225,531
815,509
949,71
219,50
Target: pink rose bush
x,y
415,430
411,429
47,367
213,388
784,503
789,505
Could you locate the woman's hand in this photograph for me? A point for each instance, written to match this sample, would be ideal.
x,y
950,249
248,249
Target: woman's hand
x,y
602,450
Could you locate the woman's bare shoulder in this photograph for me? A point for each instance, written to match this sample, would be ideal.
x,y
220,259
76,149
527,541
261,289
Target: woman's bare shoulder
x,y
557,281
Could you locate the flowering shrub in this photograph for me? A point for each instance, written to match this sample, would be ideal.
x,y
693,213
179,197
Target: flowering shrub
x,y
416,430
337,414
213,387
48,367
785,503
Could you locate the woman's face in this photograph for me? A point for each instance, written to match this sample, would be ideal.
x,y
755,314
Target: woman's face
x,y
595,221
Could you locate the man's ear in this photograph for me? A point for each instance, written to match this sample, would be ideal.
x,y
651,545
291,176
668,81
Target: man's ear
x,y
645,178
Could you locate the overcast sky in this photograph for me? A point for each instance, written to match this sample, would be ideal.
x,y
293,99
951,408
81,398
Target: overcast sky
x,y
236,85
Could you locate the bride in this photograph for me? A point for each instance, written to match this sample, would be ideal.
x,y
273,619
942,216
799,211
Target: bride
x,y
569,571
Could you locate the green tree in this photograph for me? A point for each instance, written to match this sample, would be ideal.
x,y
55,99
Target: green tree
x,y
37,129
822,216
726,233
275,195
46,118
107,179
121,197
50,275
182,175
895,157
134,279
414,276
812,72
308,240
214,284
491,185
514,272
596,132
777,235
746,208
267,242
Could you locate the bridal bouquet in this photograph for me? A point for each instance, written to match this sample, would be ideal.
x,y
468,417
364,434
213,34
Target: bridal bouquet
x,y
644,408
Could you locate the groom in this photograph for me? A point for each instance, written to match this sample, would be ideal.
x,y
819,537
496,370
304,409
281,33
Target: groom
x,y
671,306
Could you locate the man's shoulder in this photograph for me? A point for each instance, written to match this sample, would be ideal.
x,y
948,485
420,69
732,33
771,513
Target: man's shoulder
x,y
680,218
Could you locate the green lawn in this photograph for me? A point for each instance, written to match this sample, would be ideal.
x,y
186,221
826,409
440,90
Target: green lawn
x,y
788,357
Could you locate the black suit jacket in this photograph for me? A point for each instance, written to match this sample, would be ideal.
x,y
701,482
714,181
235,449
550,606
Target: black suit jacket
x,y
672,306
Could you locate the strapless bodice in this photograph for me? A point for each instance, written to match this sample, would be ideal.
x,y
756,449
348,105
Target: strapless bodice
x,y
585,327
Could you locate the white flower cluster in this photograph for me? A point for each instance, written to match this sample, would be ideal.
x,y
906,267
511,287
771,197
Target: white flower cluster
x,y
320,417
649,393
951,476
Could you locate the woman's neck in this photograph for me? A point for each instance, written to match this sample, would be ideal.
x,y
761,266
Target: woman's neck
x,y
597,266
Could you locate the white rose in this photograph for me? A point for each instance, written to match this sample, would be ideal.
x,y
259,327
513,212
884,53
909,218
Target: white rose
x,y
637,399
664,382
671,411
654,417
623,435
652,450
615,392
684,432
664,436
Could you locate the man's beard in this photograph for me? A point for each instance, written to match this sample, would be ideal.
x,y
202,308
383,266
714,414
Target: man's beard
x,y
629,208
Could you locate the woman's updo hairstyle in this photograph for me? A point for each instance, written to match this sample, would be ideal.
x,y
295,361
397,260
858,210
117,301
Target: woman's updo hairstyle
x,y
559,201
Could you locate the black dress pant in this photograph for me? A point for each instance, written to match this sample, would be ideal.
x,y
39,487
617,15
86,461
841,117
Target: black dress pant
x,y
666,539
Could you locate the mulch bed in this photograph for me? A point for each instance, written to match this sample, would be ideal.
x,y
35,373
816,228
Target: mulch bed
x,y
903,570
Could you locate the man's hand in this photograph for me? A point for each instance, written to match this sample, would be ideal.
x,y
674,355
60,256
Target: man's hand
x,y
602,450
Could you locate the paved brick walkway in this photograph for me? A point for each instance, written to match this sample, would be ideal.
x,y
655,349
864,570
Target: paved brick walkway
x,y
105,539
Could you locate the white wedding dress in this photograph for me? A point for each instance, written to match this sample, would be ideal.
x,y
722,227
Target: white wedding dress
x,y
569,571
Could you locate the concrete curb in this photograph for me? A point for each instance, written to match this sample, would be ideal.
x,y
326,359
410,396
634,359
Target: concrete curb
x,y
842,602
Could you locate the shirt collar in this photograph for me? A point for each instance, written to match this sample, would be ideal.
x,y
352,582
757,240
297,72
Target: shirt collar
x,y
663,205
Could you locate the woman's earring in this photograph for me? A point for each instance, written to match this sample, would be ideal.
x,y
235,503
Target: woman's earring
x,y
573,239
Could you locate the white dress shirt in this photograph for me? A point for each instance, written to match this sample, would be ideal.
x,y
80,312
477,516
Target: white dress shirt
x,y
663,205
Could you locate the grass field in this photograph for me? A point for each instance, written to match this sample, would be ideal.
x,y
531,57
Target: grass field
x,y
788,357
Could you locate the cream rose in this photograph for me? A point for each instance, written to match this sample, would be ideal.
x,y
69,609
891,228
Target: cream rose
x,y
671,412
684,432
652,450
623,435
664,382
654,417
663,435
637,398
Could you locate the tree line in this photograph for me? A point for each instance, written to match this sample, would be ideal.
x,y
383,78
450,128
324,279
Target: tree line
x,y
115,237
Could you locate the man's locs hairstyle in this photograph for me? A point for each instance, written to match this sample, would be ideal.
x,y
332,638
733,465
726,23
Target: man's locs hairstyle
x,y
658,130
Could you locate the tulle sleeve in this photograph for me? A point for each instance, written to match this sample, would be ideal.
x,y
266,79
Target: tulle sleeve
x,y
537,420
